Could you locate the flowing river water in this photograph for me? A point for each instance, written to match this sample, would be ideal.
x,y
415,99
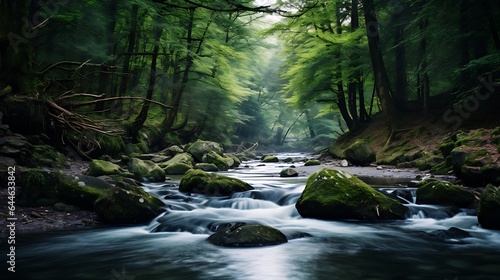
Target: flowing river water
x,y
174,245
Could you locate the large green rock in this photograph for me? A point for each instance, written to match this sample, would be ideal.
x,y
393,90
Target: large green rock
x,y
128,205
210,167
360,153
221,162
156,174
178,168
200,148
488,214
211,184
242,235
82,191
101,167
432,191
269,158
139,168
184,158
336,195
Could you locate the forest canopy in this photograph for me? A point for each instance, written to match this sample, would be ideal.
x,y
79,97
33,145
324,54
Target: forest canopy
x,y
224,70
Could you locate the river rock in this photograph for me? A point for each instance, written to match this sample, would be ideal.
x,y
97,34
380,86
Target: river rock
x,y
451,233
211,184
210,167
156,174
81,191
178,168
236,160
243,235
336,195
184,158
312,162
139,168
269,158
360,153
101,167
199,148
132,205
221,162
433,191
171,151
289,172
489,208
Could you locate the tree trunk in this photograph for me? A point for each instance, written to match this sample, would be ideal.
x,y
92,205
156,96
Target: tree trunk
x,y
382,83
425,83
132,37
143,115
15,44
352,87
341,101
491,24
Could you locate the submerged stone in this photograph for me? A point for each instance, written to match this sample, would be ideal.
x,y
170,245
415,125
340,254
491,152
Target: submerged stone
x,y
242,235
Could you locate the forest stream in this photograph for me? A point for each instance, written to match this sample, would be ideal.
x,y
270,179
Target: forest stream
x,y
174,245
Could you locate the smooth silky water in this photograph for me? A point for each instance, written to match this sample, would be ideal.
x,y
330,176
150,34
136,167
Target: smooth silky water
x,y
174,246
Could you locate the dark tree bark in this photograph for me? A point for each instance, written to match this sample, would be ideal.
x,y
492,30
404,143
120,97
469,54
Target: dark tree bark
x,y
132,37
143,114
341,101
491,24
352,87
382,82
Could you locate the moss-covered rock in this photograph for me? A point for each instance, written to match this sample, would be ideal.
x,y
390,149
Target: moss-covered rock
x,y
289,172
81,191
184,158
242,235
156,174
210,167
269,158
200,148
101,167
360,153
236,160
489,208
221,162
312,162
336,195
177,168
132,205
171,151
211,184
432,191
139,168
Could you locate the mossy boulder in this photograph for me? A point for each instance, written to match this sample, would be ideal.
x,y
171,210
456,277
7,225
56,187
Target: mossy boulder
x,y
289,172
312,162
432,191
476,166
222,162
139,168
488,214
178,168
243,235
210,167
184,158
81,191
156,174
269,158
132,205
101,167
336,195
236,160
199,148
211,184
360,153
171,151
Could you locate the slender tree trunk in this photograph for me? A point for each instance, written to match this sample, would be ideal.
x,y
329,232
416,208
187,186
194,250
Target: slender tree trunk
x,y
132,37
15,44
143,114
352,87
380,73
341,100
425,86
464,42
